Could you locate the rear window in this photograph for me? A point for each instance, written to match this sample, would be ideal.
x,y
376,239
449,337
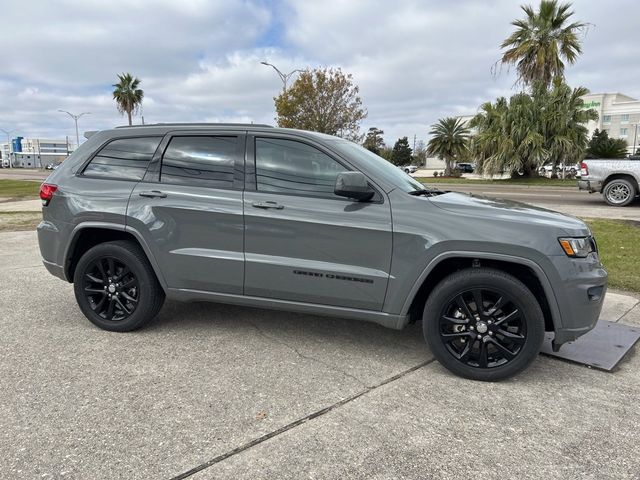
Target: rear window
x,y
200,161
125,158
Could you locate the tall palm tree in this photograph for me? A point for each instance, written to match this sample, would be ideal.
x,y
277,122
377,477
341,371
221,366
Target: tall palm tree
x,y
127,95
542,41
449,140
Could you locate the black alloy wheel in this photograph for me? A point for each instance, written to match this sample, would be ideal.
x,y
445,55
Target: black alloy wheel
x,y
111,288
483,323
482,328
116,288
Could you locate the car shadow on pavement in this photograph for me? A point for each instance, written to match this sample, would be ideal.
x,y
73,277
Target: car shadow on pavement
x,y
296,330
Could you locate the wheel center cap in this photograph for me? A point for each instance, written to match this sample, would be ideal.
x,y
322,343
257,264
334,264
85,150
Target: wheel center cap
x,y
481,327
112,288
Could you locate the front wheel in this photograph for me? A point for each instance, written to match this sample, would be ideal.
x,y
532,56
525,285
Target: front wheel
x,y
619,192
116,287
483,324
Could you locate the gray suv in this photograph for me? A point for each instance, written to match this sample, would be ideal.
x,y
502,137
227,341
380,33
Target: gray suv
x,y
293,220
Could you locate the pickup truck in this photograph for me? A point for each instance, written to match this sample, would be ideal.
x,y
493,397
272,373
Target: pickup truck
x,y
616,179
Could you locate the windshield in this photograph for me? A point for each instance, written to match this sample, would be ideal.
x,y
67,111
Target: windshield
x,y
379,166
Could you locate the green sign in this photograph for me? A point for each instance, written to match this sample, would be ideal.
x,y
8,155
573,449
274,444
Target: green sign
x,y
591,104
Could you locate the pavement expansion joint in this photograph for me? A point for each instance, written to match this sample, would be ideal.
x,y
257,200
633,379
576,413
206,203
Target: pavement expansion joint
x,y
299,422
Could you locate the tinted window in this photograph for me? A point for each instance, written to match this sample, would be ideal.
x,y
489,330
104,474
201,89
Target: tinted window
x,y
126,158
292,167
378,165
200,161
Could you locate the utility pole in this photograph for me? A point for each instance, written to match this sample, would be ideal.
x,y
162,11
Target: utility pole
x,y
8,132
414,143
635,137
283,76
75,119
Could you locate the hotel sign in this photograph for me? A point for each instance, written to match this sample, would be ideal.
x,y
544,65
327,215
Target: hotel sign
x,y
591,104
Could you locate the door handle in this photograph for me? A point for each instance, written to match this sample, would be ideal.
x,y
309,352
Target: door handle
x,y
274,205
153,194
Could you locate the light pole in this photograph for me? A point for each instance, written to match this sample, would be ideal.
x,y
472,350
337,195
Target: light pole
x,y
9,132
283,76
75,119
635,137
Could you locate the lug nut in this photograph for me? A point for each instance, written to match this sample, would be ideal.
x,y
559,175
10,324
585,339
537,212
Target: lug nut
x,y
489,322
479,337
490,333
471,327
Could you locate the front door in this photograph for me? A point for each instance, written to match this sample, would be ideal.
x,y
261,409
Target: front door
x,y
302,242
189,210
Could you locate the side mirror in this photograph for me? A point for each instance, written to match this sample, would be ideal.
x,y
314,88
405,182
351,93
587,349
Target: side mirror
x,y
353,185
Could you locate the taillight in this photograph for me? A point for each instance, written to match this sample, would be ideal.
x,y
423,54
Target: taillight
x,y
46,193
584,170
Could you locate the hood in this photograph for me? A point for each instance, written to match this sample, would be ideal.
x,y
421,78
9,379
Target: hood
x,y
509,211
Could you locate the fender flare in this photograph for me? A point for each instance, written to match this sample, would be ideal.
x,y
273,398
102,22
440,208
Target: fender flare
x,y
78,229
537,269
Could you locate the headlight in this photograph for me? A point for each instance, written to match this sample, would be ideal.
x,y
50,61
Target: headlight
x,y
578,247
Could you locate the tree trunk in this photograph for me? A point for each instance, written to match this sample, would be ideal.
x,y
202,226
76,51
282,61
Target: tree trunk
x,y
447,168
129,115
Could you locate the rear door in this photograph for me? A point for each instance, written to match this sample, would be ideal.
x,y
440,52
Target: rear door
x,y
189,207
304,243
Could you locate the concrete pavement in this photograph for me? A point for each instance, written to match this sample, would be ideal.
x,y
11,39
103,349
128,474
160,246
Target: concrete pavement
x,y
236,392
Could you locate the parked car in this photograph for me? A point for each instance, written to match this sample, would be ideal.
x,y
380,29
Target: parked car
x,y
409,168
573,169
617,180
307,222
465,167
50,166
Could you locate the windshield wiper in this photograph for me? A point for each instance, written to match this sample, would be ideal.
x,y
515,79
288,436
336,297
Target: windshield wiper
x,y
429,192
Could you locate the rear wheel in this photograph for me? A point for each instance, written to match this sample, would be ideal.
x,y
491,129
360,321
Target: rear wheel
x,y
116,288
619,192
483,324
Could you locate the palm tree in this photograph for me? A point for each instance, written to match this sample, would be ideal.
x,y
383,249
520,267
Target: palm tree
x,y
127,95
565,121
542,41
520,134
449,140
508,136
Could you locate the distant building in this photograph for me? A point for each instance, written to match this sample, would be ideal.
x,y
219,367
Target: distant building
x,y
618,114
35,152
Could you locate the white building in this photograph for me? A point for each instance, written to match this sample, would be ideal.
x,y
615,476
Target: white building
x,y
35,152
618,114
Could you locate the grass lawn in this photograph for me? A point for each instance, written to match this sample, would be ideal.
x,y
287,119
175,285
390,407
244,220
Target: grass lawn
x,y
537,181
15,221
619,245
18,189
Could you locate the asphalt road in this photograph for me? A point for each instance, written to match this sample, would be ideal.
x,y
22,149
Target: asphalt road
x,y
214,391
562,199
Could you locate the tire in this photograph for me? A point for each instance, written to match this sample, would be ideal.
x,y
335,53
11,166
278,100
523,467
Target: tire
x,y
406,170
458,343
619,192
116,288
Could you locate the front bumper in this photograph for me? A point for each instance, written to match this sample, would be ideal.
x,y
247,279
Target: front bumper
x,y
580,301
590,185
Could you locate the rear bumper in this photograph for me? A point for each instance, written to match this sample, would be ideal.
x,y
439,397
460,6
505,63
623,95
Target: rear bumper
x,y
50,248
590,185
580,301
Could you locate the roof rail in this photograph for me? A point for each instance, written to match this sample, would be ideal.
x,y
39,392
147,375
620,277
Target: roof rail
x,y
171,124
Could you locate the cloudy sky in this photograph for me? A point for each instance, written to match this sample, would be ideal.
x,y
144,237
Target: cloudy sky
x,y
199,60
